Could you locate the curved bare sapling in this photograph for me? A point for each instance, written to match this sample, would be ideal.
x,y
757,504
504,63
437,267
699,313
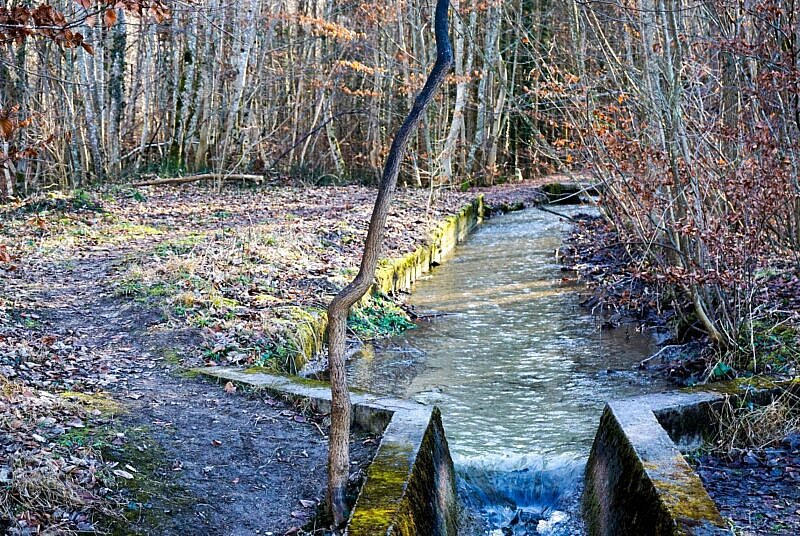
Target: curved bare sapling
x,y
339,308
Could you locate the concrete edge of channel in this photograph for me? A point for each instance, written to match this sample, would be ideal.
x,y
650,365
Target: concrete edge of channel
x,y
395,275
637,480
410,484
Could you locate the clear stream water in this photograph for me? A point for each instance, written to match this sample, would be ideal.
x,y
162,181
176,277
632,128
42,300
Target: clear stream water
x,y
518,369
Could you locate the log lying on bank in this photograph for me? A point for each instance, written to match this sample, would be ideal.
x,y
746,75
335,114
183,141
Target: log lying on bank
x,y
201,177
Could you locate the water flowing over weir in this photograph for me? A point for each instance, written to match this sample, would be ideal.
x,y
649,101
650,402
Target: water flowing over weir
x,y
519,371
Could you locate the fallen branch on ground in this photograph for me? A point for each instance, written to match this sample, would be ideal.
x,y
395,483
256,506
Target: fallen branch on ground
x,y
201,177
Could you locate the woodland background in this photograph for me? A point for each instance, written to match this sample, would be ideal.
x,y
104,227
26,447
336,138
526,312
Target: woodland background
x,y
687,112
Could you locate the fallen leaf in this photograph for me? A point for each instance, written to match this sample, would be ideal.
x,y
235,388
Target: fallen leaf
x,y
123,474
307,504
216,442
230,388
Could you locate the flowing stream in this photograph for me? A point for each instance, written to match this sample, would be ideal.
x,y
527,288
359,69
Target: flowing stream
x,y
518,369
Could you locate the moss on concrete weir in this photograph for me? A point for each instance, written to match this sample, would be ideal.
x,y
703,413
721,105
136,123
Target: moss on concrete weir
x,y
379,502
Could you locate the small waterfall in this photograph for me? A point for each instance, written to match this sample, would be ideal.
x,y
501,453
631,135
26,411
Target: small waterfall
x,y
516,367
506,495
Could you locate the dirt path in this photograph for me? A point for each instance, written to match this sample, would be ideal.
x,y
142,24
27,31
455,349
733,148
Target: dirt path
x,y
208,461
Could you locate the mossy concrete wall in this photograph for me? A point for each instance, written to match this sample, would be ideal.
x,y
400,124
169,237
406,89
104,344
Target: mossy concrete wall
x,y
637,481
410,485
397,275
391,276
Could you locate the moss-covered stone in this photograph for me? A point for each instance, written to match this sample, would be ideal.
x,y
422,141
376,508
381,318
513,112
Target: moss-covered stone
x,y
637,482
409,491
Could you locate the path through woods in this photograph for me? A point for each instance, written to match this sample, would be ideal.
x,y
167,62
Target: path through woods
x,y
224,456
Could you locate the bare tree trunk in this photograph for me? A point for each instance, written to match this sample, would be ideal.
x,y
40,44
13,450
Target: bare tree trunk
x,y
117,90
457,123
339,308
485,86
86,65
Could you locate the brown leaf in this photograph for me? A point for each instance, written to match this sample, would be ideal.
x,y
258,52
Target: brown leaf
x,y
230,388
110,17
6,127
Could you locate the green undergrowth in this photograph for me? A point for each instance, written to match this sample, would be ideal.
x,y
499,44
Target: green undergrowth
x,y
53,222
377,317
768,345
77,200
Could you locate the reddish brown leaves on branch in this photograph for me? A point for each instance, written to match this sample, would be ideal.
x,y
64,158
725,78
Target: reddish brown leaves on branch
x,y
44,21
19,23
9,122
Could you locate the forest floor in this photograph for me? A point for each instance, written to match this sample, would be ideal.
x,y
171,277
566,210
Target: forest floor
x,y
110,297
757,489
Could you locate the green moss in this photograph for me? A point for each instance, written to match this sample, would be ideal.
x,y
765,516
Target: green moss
x,y
409,491
379,503
684,496
743,385
101,401
171,356
625,494
147,486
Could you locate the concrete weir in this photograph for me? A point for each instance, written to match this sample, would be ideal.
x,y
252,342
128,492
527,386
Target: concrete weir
x,y
410,484
637,481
